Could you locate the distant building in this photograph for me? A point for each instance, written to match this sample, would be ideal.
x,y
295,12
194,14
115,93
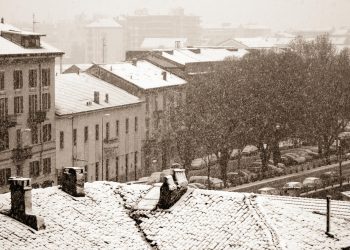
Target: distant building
x,y
104,41
163,43
159,90
27,110
98,127
143,25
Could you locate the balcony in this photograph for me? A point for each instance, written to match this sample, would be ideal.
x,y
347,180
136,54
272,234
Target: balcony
x,y
20,154
111,140
37,117
8,121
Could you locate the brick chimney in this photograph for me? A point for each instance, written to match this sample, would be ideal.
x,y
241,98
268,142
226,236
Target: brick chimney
x,y
73,181
21,203
174,186
164,74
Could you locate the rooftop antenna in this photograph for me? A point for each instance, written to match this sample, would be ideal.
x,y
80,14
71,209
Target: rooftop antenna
x,y
34,22
103,49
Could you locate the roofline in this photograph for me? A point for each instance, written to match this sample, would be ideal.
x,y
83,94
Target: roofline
x,y
43,54
97,110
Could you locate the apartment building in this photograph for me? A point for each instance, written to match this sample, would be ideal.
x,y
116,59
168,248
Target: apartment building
x,y
27,116
98,127
159,90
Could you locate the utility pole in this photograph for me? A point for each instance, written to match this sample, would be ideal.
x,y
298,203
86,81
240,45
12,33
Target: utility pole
x,y
34,22
103,49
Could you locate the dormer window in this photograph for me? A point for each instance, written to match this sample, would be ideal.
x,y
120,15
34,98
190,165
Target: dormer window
x,y
23,38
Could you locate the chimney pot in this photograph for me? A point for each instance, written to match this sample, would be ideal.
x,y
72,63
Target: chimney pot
x,y
97,97
2,20
107,98
164,74
73,181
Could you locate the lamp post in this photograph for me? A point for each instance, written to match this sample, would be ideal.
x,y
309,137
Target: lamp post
x,y
102,141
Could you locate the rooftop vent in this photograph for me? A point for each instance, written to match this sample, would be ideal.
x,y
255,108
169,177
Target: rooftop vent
x,y
21,203
2,20
88,103
134,61
73,181
106,98
97,97
164,74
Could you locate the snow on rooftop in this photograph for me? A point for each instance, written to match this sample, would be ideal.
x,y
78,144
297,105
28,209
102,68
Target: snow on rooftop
x,y
74,91
8,27
162,42
187,55
145,75
265,42
104,23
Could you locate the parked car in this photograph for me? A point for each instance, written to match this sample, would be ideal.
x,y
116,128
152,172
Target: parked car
x,y
279,165
295,158
312,182
215,183
269,191
314,155
256,167
249,150
293,185
304,154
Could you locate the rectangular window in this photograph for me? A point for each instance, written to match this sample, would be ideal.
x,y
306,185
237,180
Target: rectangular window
x,y
17,79
47,132
107,169
33,103
4,140
19,170
107,131
126,125
74,137
18,137
86,133
135,159
45,75
136,124
126,166
117,168
61,139
18,104
46,101
3,107
34,170
97,132
33,78
97,170
2,80
47,165
5,174
35,137
117,128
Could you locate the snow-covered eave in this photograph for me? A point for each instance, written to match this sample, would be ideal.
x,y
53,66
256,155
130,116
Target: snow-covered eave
x,y
41,54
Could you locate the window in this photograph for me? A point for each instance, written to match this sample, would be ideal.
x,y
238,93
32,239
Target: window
x,y
34,170
33,78
86,133
117,168
107,169
4,140
5,174
35,137
19,170
2,80
46,100
126,125
117,128
136,124
61,139
17,79
3,107
47,165
18,104
33,103
45,75
18,137
47,132
86,173
97,132
107,131
135,159
74,137
126,166
96,170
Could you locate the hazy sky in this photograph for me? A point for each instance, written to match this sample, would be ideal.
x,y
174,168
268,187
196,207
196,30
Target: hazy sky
x,y
278,14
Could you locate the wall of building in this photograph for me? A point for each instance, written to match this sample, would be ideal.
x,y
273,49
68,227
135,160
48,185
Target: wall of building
x,y
40,150
87,153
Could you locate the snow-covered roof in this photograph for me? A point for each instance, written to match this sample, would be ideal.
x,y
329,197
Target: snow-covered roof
x,y
192,55
162,42
9,48
265,42
104,23
144,74
202,219
74,91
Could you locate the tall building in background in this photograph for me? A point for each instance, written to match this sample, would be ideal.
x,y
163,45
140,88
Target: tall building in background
x,y
176,24
27,110
104,41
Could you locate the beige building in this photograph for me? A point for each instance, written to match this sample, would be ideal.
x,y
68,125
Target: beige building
x,y
159,90
27,90
98,127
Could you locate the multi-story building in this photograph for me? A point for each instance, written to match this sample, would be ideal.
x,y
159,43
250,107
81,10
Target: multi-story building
x,y
159,90
104,41
98,127
27,116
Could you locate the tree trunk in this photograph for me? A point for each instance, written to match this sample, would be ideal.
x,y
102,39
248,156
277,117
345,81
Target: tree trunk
x,y
208,166
276,153
264,156
223,160
326,151
239,160
320,147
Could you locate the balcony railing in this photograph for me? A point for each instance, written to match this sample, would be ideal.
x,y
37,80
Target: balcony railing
x,y
8,121
111,140
36,117
20,154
